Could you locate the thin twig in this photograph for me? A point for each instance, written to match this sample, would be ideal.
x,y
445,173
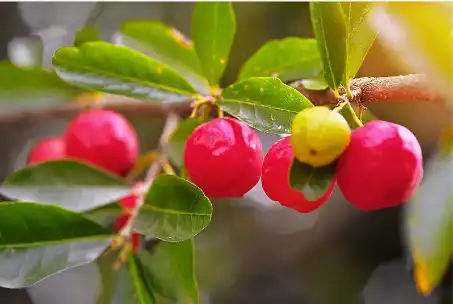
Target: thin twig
x,y
154,169
413,87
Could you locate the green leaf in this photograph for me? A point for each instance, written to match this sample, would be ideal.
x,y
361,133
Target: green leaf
x,y
166,44
360,35
32,85
329,26
71,184
412,31
213,30
429,223
115,69
289,59
177,140
131,287
265,103
104,215
312,182
174,210
87,34
170,270
40,240
109,276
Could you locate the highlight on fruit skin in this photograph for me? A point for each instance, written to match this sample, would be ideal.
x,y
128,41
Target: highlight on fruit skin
x,y
319,136
382,167
224,157
50,148
275,179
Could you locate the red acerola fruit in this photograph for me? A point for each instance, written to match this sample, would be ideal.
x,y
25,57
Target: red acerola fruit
x,y
103,138
275,179
51,148
121,221
223,157
382,167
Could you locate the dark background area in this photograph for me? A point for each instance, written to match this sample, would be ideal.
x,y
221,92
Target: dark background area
x,y
254,251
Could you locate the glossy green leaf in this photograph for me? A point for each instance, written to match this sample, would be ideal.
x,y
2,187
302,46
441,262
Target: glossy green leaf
x,y
70,184
104,215
87,34
213,30
115,69
329,25
131,287
315,84
429,222
265,103
40,240
109,276
420,35
312,182
289,59
177,140
170,270
360,35
174,210
166,44
32,85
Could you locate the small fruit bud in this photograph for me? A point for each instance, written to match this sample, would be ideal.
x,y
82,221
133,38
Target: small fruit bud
x,y
319,136
223,157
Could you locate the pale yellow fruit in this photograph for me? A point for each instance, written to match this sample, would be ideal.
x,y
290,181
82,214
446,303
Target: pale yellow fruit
x,y
319,136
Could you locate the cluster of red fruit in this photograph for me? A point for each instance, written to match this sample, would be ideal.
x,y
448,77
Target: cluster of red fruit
x,y
380,167
101,138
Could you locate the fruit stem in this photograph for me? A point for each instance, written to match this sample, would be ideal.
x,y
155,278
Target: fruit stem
x,y
168,169
340,106
354,115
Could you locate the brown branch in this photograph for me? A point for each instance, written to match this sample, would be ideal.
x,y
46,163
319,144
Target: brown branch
x,y
413,87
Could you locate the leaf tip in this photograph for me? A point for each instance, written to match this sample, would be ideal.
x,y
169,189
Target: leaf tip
x,y
424,284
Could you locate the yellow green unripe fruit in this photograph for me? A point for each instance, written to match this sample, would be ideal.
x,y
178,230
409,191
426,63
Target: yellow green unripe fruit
x,y
319,136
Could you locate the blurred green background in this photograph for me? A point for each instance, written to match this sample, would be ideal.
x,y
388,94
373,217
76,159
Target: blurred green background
x,y
254,251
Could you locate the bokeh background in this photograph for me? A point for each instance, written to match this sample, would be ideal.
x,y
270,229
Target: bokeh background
x,y
254,251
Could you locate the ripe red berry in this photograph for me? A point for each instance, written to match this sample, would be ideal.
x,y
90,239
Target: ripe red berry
x,y
135,241
275,179
223,157
103,138
51,148
382,167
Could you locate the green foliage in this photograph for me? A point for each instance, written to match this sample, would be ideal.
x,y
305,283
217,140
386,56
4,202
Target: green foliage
x,y
178,138
87,34
312,182
32,84
429,221
291,58
359,35
213,30
114,69
330,29
42,240
167,45
265,103
170,269
70,184
174,210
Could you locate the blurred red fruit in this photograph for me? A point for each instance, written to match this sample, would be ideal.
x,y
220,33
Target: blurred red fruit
x,y
103,138
51,148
